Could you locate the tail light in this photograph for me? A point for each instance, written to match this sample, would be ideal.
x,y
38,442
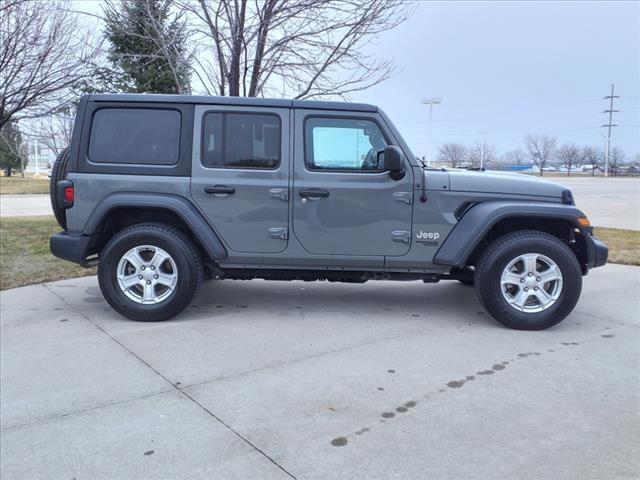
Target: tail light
x,y
65,193
68,195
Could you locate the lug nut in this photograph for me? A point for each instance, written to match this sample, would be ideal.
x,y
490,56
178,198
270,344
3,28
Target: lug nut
x,y
148,282
142,267
139,277
530,274
538,279
152,267
522,280
535,288
155,276
526,289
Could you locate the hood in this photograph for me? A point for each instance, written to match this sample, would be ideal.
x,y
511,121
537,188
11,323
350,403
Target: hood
x,y
498,182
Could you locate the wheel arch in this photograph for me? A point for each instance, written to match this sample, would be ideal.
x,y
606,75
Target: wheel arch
x,y
485,222
118,211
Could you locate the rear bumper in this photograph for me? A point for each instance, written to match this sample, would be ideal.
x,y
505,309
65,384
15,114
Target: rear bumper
x,y
597,252
74,248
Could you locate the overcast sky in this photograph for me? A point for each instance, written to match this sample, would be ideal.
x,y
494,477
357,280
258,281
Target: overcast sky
x,y
510,68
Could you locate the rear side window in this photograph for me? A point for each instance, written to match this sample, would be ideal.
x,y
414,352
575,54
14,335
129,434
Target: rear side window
x,y
241,140
135,136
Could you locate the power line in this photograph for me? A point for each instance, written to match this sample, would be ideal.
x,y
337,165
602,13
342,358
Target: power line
x,y
609,125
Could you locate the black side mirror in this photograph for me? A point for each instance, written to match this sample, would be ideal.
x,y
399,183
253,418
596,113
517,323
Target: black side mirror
x,y
393,161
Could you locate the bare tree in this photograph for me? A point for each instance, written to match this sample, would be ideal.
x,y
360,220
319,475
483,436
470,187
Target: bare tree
x,y
591,156
481,153
513,157
42,54
452,153
541,149
312,48
570,155
616,158
55,130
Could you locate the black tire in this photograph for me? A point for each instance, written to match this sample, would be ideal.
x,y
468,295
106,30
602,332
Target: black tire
x,y
183,252
496,258
59,171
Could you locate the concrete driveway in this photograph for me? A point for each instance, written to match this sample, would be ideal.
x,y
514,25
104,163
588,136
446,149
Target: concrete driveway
x,y
319,380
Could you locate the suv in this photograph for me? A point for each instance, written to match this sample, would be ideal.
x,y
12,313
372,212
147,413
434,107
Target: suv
x,y
163,191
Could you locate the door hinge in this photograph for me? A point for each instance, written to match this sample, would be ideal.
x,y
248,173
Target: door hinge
x,y
402,236
281,193
406,197
279,233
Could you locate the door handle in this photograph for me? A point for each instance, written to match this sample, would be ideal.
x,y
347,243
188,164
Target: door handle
x,y
314,193
220,190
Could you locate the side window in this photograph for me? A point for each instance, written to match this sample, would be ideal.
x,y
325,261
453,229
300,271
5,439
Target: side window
x,y
343,144
212,140
241,140
135,136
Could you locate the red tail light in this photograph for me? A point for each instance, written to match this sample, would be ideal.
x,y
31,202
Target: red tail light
x,y
69,194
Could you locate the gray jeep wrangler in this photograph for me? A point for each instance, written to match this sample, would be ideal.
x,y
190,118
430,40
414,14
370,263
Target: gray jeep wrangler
x,y
163,191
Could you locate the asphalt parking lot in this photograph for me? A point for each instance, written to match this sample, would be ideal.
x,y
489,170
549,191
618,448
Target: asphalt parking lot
x,y
319,380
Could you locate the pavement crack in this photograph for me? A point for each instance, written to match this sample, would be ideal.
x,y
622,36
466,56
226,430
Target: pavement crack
x,y
180,389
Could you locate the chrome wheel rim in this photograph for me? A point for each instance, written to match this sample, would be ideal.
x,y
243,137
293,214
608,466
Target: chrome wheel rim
x,y
531,282
147,274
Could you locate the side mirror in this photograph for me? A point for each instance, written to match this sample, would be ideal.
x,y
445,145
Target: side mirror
x,y
393,161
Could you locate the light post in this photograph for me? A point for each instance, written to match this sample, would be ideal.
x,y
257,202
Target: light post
x,y
482,147
431,102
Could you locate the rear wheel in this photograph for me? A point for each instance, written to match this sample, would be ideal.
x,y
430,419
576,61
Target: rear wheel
x,y
528,280
150,272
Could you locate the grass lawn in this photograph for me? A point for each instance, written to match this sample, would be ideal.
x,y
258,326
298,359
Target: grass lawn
x,y
25,257
24,253
624,245
17,184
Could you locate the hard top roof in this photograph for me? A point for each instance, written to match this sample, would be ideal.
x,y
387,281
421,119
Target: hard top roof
x,y
240,101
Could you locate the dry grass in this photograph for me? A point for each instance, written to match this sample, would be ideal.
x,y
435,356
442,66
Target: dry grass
x,y
25,257
24,253
18,184
624,245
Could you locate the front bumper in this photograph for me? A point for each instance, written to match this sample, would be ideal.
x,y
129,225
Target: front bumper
x,y
597,251
74,248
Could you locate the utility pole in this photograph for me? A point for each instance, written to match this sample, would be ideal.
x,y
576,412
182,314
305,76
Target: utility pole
x,y
609,125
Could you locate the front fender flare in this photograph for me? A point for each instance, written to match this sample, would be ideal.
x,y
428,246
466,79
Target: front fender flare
x,y
205,234
480,218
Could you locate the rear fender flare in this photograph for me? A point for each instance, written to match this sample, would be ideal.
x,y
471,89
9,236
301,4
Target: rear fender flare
x,y
205,234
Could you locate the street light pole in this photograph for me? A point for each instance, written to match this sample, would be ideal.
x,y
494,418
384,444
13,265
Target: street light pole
x,y
482,147
431,102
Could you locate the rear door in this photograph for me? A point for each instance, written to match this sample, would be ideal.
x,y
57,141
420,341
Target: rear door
x,y
240,175
343,203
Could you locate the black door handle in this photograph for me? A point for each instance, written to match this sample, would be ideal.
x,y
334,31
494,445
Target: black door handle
x,y
220,189
314,193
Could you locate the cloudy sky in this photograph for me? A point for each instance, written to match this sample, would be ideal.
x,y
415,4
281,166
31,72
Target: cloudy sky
x,y
509,68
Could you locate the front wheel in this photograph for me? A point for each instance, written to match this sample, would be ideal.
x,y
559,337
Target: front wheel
x,y
528,280
149,272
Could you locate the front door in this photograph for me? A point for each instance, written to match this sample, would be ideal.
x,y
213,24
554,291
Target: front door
x,y
240,175
343,202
